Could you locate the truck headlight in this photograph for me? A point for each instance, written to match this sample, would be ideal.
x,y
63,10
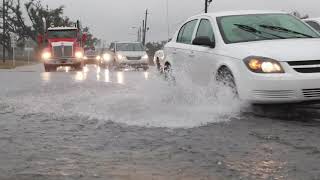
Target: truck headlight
x,y
263,65
107,57
145,57
79,55
46,55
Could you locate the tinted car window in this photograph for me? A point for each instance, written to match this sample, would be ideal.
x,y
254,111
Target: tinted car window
x,y
315,25
186,32
258,27
205,29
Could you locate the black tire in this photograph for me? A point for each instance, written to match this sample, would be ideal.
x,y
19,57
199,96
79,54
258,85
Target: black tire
x,y
49,68
225,78
78,67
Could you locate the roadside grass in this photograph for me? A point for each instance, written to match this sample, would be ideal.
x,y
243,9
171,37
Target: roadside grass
x,y
9,64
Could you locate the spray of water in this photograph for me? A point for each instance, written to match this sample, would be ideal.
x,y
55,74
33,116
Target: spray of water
x,y
152,103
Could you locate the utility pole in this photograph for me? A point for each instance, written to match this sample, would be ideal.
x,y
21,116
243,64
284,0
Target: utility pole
x,y
142,32
4,31
206,5
145,28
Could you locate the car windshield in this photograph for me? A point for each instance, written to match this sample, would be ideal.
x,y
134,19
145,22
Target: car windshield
x,y
129,47
62,34
258,27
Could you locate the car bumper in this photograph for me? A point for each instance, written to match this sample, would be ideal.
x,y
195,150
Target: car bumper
x,y
136,64
63,61
281,88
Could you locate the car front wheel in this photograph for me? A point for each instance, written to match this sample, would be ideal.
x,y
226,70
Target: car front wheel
x,y
225,79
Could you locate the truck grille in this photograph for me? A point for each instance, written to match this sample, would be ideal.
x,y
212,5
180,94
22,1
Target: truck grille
x,y
62,51
133,58
306,66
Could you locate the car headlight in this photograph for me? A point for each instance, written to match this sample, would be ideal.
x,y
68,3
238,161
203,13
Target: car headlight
x,y
145,57
46,55
107,57
85,58
121,57
263,65
79,55
98,58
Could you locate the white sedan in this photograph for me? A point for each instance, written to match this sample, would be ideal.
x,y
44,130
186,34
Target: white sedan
x,y
266,57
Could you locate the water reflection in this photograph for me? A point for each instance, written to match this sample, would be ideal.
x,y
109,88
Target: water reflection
x,y
146,75
85,69
120,77
81,76
46,76
107,75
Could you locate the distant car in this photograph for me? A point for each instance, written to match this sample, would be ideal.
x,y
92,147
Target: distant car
x,y
263,57
129,54
91,57
313,22
158,59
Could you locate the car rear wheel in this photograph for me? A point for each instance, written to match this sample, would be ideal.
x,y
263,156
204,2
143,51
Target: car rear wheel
x,y
225,79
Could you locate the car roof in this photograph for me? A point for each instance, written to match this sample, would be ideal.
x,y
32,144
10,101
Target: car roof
x,y
239,12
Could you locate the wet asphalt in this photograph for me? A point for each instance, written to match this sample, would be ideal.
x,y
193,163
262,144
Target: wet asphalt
x,y
95,125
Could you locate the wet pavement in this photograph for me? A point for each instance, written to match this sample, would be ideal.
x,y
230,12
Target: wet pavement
x,y
101,124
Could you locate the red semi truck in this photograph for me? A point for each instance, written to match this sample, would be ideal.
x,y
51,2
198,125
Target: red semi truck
x,y
62,46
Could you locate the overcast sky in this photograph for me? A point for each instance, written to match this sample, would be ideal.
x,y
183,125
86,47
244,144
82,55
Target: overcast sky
x,y
112,19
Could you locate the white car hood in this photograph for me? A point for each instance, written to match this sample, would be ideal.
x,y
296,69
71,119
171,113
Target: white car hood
x,y
281,50
132,53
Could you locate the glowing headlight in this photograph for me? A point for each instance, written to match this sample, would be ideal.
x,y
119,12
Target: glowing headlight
x,y
263,65
121,57
85,58
98,58
107,57
145,57
46,55
79,55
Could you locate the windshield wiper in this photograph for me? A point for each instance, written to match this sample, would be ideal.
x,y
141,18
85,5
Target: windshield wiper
x,y
282,29
256,32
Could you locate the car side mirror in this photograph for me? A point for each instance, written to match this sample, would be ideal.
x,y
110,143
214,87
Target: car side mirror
x,y
204,41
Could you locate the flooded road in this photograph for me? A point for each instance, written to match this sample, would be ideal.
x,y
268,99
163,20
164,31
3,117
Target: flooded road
x,y
101,124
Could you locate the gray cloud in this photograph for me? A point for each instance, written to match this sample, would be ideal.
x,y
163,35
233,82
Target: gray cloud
x,y
112,20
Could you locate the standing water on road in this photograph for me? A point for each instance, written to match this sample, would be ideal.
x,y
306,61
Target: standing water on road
x,y
133,98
